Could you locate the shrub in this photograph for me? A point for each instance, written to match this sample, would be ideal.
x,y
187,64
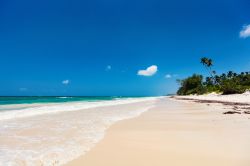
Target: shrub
x,y
191,85
231,87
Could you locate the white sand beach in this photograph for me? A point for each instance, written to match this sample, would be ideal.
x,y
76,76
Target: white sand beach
x,y
179,130
176,133
234,98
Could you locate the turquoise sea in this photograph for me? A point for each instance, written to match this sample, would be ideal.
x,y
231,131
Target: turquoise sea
x,y
6,100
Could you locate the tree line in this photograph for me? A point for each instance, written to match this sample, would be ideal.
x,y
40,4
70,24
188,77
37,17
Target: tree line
x,y
225,83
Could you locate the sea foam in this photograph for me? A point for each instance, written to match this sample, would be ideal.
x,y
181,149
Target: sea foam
x,y
58,133
41,109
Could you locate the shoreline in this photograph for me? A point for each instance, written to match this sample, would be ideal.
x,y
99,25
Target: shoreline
x,y
59,137
53,108
174,133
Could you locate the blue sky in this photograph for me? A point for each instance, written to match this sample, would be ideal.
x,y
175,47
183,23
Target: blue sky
x,y
97,47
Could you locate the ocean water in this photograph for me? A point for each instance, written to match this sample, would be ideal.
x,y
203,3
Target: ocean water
x,y
6,100
55,130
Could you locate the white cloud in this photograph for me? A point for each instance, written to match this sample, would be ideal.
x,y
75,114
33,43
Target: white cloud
x,y
65,82
171,75
168,76
245,32
148,72
108,68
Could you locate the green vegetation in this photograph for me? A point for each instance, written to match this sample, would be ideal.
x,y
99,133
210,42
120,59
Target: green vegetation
x,y
191,85
229,83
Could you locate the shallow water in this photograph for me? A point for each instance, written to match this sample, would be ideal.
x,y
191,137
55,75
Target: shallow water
x,y
53,134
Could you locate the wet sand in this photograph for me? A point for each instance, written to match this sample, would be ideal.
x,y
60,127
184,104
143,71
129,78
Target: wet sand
x,y
175,133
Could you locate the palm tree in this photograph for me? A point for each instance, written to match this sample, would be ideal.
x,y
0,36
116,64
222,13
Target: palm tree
x,y
230,74
209,81
217,79
204,61
208,63
223,76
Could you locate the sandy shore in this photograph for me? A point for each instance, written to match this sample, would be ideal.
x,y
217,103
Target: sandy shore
x,y
234,98
175,133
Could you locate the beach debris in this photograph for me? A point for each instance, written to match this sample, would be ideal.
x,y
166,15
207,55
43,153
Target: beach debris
x,y
235,108
247,112
246,108
232,112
